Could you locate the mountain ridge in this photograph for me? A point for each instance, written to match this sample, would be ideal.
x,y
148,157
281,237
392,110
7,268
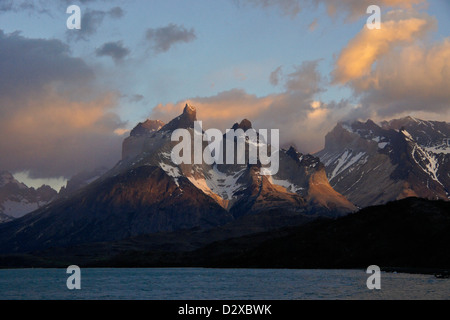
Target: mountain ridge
x,y
147,193
397,157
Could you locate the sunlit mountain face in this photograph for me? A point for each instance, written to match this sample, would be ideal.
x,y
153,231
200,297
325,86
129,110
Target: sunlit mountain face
x,y
92,94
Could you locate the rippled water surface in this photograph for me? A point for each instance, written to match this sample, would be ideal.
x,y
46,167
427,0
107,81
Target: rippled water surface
x,y
217,284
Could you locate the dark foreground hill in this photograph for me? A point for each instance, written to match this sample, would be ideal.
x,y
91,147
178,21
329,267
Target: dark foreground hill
x,y
411,233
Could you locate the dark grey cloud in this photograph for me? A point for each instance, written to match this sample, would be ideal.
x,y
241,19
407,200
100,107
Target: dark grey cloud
x,y
115,50
50,6
162,39
28,65
21,5
54,120
6,5
116,12
136,98
305,79
91,20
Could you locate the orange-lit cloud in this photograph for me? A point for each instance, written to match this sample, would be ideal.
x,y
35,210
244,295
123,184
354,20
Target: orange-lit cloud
x,y
357,59
220,111
357,8
416,78
302,120
349,8
398,69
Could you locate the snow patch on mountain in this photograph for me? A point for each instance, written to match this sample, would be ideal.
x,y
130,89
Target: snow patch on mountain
x,y
439,149
219,183
346,160
17,209
171,171
289,186
425,159
427,162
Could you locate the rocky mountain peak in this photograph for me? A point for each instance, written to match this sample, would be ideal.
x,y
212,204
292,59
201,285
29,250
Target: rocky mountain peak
x,y
147,127
190,110
294,154
184,121
244,125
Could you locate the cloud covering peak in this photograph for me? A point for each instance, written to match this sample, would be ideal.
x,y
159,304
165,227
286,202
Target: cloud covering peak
x,y
51,115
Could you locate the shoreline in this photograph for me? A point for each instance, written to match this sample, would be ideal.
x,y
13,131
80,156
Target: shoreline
x,y
437,272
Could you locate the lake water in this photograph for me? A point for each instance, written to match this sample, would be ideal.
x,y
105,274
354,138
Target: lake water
x,y
216,284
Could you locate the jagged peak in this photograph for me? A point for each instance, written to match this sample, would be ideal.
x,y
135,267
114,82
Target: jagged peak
x,y
189,112
190,109
184,121
293,153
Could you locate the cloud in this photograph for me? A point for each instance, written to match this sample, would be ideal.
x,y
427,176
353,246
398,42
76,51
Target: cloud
x,y
398,70
301,118
91,21
413,79
6,5
115,50
275,76
349,8
356,8
305,79
162,39
357,59
136,98
288,7
28,65
20,5
54,122
38,6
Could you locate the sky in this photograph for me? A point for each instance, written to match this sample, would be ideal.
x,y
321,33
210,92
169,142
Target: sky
x,y
68,98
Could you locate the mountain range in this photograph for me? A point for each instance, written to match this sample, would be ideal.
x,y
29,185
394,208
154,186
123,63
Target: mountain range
x,y
362,164
146,193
